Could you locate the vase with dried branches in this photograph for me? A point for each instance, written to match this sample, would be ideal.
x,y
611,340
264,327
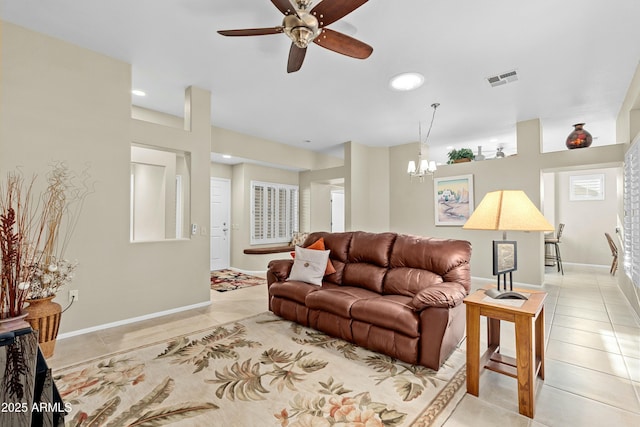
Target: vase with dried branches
x,y
19,237
34,235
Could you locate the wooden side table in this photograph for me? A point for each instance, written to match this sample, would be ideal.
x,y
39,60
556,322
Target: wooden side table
x,y
529,326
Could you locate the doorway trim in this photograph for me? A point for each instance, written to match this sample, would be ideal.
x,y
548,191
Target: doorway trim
x,y
226,182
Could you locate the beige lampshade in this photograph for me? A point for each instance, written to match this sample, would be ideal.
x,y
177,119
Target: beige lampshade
x,y
507,210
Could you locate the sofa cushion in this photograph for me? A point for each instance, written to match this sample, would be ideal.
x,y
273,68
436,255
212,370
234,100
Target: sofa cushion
x,y
390,312
337,300
447,295
338,244
319,246
309,265
363,275
445,257
409,281
371,248
387,341
296,291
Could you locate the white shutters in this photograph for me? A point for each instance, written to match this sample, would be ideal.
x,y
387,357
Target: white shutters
x,y
632,213
257,212
274,212
586,187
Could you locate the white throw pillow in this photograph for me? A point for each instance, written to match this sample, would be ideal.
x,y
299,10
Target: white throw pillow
x,y
309,265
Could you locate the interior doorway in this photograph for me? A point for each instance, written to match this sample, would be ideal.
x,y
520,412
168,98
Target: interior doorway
x,y
337,211
220,217
586,219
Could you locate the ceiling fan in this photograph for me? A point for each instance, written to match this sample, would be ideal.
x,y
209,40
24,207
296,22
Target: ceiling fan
x,y
304,26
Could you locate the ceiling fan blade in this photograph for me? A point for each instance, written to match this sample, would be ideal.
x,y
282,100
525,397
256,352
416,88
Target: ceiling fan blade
x,y
296,57
344,44
284,6
252,31
329,12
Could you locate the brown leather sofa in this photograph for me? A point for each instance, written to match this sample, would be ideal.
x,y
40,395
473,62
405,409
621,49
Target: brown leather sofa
x,y
396,294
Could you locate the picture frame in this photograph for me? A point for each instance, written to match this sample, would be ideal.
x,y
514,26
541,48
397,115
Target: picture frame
x,y
505,256
453,200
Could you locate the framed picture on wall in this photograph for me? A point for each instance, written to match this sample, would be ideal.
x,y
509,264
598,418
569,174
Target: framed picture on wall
x,y
453,199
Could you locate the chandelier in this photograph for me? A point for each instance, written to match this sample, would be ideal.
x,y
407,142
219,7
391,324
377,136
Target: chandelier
x,y
423,167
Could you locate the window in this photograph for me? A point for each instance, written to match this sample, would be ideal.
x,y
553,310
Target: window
x,y
586,187
632,213
274,212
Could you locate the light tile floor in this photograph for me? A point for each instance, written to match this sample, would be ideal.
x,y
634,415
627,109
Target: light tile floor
x,y
592,363
592,356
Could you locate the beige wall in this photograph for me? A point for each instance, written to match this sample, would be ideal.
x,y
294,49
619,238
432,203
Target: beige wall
x,y
321,202
236,144
366,195
59,102
218,170
318,199
412,206
583,240
243,174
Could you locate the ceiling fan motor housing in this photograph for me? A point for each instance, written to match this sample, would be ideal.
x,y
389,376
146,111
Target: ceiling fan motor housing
x,y
301,29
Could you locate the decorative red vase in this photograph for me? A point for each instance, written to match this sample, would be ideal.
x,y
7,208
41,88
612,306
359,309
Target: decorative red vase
x,y
579,138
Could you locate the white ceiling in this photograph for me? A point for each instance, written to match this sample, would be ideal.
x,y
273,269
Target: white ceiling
x,y
574,58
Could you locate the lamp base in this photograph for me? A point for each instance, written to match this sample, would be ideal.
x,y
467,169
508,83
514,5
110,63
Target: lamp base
x,y
498,294
504,280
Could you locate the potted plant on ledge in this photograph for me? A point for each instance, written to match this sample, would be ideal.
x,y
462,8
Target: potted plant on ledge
x,y
461,155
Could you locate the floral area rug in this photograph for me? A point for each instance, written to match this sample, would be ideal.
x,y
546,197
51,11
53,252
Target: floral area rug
x,y
260,371
229,280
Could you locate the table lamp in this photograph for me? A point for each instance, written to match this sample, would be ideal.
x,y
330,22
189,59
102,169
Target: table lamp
x,y
506,210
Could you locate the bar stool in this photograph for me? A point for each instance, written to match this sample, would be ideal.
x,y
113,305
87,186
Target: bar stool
x,y
554,241
614,254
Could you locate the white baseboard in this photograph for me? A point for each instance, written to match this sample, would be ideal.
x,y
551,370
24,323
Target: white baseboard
x,y
577,264
132,320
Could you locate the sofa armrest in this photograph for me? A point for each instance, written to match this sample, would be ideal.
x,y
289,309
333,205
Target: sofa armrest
x,y
447,294
278,270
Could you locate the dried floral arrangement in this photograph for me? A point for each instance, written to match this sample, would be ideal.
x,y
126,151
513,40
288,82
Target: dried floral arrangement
x,y
35,233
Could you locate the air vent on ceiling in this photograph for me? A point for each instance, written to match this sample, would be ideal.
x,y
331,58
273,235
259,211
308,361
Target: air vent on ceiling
x,y
503,79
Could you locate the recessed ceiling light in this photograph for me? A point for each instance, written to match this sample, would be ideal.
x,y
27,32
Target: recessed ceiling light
x,y
137,92
407,81
226,156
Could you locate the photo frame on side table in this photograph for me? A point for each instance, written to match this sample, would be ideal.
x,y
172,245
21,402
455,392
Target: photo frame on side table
x,y
505,256
453,199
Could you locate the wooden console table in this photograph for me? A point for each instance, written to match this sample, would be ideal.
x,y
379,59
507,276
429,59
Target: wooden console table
x,y
529,326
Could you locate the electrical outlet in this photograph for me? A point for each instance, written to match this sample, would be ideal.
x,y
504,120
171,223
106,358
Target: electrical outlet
x,y
74,295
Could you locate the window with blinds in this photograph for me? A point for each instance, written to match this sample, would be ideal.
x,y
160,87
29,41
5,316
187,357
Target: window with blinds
x,y
632,213
586,187
274,212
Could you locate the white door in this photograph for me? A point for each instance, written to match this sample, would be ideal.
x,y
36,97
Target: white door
x,y
220,217
337,211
